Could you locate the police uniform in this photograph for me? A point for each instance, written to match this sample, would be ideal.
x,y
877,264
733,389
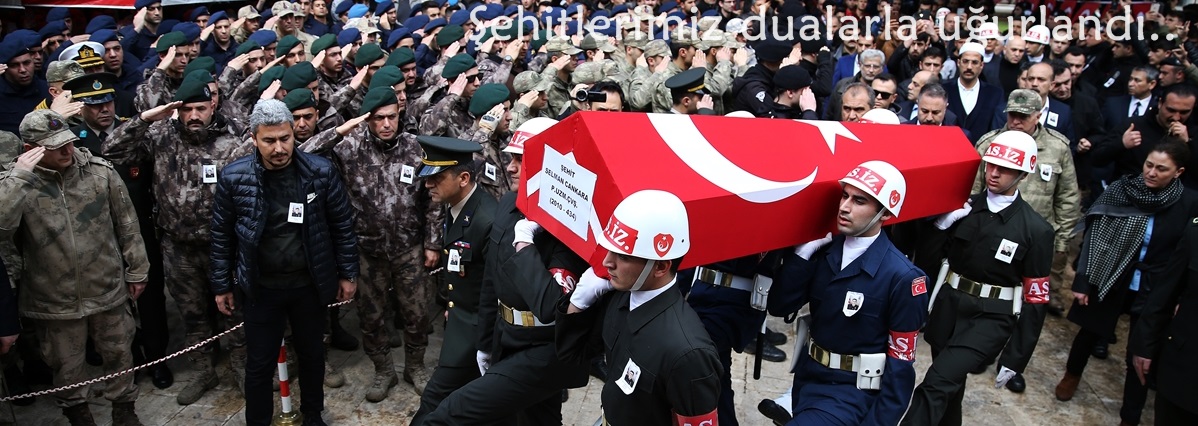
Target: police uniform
x,y
493,175
463,254
526,376
159,87
872,307
449,114
790,77
991,253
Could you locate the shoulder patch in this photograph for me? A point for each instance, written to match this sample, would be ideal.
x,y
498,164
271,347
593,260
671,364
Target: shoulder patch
x,y
919,286
760,96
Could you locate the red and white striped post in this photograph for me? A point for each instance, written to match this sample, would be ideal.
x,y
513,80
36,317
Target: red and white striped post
x,y
288,416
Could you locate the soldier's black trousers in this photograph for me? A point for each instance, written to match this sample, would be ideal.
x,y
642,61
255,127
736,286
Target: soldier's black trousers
x,y
266,317
152,335
1170,414
445,380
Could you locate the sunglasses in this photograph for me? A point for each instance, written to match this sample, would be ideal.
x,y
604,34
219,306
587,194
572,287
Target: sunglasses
x,y
883,95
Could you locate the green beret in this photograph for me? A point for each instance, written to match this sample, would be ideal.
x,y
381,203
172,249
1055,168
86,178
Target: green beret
x,y
458,64
298,75
486,35
539,40
201,63
269,76
376,98
324,42
194,87
486,97
387,76
168,40
247,47
450,34
401,56
509,32
367,54
299,99
286,44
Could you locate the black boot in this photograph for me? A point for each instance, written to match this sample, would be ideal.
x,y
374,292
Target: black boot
x,y
1101,350
1016,384
775,338
769,352
161,376
773,411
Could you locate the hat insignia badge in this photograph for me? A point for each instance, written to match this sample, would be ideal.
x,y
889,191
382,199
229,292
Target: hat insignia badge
x,y
96,85
54,124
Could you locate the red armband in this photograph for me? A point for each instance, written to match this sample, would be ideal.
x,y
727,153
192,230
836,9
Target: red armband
x,y
709,419
902,345
1035,290
565,279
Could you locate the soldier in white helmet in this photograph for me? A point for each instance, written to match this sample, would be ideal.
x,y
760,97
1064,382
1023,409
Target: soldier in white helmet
x,y
664,367
868,303
998,255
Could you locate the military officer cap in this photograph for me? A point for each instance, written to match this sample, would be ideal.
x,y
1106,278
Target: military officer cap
x,y
376,98
657,48
587,73
486,97
1024,101
450,34
269,76
61,71
286,44
93,89
457,65
401,56
689,81
195,87
324,42
87,54
441,153
792,77
247,47
367,54
44,127
168,40
561,45
298,75
530,80
387,76
299,99
201,63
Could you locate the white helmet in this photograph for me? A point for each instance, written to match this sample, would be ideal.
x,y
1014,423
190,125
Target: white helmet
x,y
1037,34
880,116
530,128
881,181
1012,149
648,224
987,30
740,114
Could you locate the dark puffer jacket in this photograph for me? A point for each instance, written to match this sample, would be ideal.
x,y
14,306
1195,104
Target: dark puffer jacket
x,y
239,217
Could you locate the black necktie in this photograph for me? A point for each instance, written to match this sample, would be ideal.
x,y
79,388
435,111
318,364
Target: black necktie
x,y
103,136
1137,111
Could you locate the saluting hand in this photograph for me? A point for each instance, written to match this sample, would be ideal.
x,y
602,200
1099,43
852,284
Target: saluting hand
x,y
30,158
459,85
349,125
161,112
168,59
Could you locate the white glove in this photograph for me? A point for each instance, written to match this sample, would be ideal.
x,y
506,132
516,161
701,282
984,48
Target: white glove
x,y
807,249
589,289
948,219
1004,374
484,361
524,231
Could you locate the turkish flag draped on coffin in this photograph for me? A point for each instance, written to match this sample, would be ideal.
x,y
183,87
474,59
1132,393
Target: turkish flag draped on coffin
x,y
749,185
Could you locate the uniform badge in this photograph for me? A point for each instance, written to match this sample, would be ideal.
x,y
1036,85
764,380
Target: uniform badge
x,y
454,264
1006,250
919,286
852,303
627,381
761,96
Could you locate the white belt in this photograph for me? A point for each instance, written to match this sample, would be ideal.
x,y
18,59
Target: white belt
x,y
520,318
981,290
831,359
723,279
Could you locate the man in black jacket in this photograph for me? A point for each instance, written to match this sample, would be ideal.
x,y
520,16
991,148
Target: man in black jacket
x,y
754,89
299,253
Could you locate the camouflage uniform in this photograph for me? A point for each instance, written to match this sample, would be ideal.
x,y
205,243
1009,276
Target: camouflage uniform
x,y
559,92
246,93
636,85
521,114
330,85
492,171
663,102
719,83
228,80
185,212
78,231
395,222
418,100
449,116
494,69
158,89
348,100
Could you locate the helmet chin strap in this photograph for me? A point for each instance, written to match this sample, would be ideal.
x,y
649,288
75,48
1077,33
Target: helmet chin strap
x,y
1013,183
640,279
871,223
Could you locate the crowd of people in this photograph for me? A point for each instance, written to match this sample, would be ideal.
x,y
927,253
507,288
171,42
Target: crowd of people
x,y
263,161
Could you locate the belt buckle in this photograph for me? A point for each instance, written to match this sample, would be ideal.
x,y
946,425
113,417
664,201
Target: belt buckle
x,y
529,320
846,362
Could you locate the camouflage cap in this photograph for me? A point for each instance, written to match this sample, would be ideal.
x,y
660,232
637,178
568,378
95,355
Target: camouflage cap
x,y
61,71
46,128
596,41
711,39
1024,101
684,37
731,42
657,48
636,39
10,146
587,73
561,45
530,80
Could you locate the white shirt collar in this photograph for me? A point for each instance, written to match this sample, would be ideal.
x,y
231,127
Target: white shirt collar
x,y
996,202
638,298
854,247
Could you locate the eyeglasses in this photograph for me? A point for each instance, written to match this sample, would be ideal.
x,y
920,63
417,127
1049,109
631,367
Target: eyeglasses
x,y
883,95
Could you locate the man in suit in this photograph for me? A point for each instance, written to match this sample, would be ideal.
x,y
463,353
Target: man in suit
x,y
1053,115
1119,110
449,174
931,109
973,101
1128,149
